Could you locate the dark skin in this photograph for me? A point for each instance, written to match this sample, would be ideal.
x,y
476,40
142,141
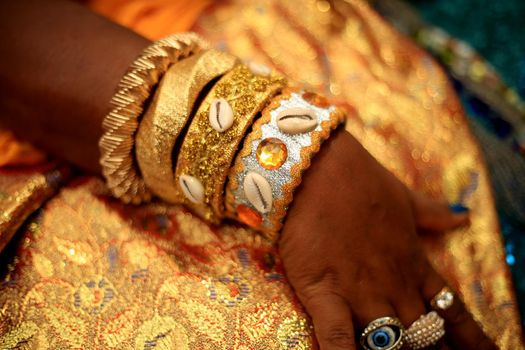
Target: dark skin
x,y
59,60
353,257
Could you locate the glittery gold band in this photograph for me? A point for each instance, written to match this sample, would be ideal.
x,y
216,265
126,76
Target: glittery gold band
x,y
117,142
206,153
169,112
269,166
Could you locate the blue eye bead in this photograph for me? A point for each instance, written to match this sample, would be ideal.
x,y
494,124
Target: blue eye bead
x,y
382,338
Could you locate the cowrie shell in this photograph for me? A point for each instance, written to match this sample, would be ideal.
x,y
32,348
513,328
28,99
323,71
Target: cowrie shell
x,y
220,115
258,192
296,120
192,188
259,69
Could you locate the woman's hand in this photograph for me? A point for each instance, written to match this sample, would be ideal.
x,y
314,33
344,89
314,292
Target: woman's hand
x,y
351,251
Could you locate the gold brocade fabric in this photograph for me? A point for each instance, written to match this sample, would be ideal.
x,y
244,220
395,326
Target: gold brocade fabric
x,y
24,191
91,273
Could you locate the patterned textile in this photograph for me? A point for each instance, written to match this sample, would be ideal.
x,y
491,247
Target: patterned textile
x,y
22,191
495,110
90,273
495,29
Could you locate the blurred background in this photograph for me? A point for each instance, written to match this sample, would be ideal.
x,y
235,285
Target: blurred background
x,y
481,43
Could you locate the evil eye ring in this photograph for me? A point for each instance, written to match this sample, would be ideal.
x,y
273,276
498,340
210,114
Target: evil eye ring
x,y
385,333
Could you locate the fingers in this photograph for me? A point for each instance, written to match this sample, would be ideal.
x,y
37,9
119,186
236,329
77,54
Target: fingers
x,y
462,331
371,308
332,320
409,306
435,215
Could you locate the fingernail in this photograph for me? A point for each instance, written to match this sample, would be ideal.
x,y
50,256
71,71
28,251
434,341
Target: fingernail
x,y
458,208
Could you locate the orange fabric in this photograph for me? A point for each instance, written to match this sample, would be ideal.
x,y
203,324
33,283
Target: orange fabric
x,y
154,18
14,152
153,21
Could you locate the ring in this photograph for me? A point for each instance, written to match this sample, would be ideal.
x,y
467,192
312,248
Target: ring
x,y
425,331
385,333
443,300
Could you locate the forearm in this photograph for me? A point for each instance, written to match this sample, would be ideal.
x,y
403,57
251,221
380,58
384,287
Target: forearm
x,y
59,68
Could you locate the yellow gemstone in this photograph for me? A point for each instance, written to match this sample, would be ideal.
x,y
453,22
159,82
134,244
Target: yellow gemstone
x,y
271,153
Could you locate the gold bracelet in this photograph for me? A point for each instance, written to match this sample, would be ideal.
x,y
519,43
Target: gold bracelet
x,y
168,114
214,136
117,142
274,155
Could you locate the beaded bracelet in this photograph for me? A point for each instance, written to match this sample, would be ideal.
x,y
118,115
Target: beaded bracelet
x,y
269,166
117,142
168,114
214,135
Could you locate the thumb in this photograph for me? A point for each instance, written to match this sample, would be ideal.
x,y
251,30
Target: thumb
x,y
434,215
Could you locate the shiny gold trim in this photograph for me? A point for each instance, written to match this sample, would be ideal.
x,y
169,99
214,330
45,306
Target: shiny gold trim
x,y
22,193
117,142
169,112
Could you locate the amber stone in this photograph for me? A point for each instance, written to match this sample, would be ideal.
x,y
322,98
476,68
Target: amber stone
x,y
316,100
249,216
271,153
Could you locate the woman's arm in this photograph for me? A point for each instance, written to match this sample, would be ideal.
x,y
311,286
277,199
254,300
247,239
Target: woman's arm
x,y
60,64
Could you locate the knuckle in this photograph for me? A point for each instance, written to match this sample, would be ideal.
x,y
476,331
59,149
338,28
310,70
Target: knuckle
x,y
361,274
318,285
338,336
